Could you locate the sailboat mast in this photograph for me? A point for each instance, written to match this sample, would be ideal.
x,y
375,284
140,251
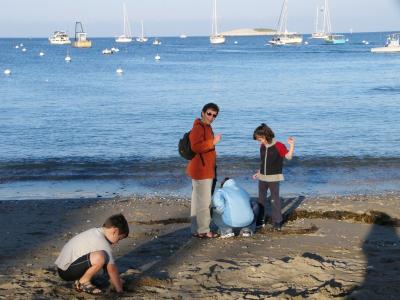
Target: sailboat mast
x,y
124,13
316,20
327,19
282,22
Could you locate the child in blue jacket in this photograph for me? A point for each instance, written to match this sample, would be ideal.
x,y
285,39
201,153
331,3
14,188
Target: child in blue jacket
x,y
234,209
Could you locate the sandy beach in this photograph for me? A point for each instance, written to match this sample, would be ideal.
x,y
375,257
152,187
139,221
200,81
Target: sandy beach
x,y
338,247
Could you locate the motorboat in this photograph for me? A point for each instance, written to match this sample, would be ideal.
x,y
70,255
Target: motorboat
x,y
107,51
59,38
126,37
215,37
392,44
335,39
156,42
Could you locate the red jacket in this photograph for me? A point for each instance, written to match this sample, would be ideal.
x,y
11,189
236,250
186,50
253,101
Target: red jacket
x,y
202,166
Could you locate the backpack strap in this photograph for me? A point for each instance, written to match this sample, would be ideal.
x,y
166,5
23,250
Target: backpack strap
x,y
213,149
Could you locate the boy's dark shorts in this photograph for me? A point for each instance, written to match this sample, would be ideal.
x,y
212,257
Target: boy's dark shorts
x,y
79,267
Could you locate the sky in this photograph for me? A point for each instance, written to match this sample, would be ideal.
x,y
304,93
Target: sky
x,y
103,18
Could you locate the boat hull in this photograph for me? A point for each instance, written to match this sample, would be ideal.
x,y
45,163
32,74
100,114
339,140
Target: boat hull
x,y
319,35
54,42
123,39
82,44
219,39
386,49
281,40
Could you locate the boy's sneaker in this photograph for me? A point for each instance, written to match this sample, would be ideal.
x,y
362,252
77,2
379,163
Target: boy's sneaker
x,y
247,233
227,235
260,225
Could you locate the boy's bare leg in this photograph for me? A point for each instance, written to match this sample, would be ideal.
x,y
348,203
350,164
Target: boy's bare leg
x,y
97,260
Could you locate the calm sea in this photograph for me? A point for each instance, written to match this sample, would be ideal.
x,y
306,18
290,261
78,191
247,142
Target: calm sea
x,y
81,130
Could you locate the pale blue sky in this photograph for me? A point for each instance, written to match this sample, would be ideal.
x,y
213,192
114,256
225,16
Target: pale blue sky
x,y
39,18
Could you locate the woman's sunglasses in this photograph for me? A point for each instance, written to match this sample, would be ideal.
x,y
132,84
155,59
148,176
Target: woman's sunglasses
x,y
211,114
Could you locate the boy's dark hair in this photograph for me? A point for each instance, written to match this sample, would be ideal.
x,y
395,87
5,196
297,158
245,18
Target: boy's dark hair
x,y
211,106
118,221
223,181
264,131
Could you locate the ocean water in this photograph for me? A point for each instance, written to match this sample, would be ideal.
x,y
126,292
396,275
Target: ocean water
x,y
81,130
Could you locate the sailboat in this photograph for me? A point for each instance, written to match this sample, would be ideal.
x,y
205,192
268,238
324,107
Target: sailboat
x,y
282,36
126,37
142,38
330,37
321,33
215,38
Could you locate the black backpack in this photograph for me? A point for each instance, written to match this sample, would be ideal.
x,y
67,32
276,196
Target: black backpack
x,y
184,147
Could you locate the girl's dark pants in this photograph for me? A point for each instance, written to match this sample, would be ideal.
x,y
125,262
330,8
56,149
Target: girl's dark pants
x,y
275,200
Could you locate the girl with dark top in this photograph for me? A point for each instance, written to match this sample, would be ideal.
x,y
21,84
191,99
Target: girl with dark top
x,y
272,154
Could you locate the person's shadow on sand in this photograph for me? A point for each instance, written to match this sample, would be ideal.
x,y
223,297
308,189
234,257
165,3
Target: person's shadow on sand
x,y
382,275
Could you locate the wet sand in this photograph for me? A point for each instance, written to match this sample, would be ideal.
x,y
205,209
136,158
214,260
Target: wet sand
x,y
334,247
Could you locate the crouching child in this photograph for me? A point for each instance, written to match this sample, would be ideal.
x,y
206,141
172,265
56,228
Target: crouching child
x,y
89,252
234,209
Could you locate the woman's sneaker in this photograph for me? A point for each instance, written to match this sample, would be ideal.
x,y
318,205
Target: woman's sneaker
x,y
227,235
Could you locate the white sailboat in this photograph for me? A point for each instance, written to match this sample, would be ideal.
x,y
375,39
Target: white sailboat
x,y
322,32
330,37
282,36
126,37
142,38
215,38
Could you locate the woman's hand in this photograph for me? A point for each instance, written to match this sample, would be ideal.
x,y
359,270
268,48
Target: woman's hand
x,y
255,176
290,141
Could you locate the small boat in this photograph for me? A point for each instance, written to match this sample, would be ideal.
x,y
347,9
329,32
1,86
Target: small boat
x,y
81,40
142,38
7,72
392,45
282,36
126,37
119,71
107,51
215,37
59,38
114,49
183,36
156,42
67,57
41,53
157,57
335,39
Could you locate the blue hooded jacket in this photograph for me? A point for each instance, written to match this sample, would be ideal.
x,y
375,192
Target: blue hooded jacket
x,y
233,203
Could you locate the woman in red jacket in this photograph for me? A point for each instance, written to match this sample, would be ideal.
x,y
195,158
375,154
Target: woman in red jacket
x,y
202,170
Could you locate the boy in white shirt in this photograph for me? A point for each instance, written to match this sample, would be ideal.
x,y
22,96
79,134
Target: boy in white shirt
x,y
90,251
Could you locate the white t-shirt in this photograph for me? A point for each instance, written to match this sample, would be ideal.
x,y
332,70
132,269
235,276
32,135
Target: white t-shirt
x,y
86,242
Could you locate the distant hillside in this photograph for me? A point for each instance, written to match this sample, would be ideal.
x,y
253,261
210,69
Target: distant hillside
x,y
249,32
